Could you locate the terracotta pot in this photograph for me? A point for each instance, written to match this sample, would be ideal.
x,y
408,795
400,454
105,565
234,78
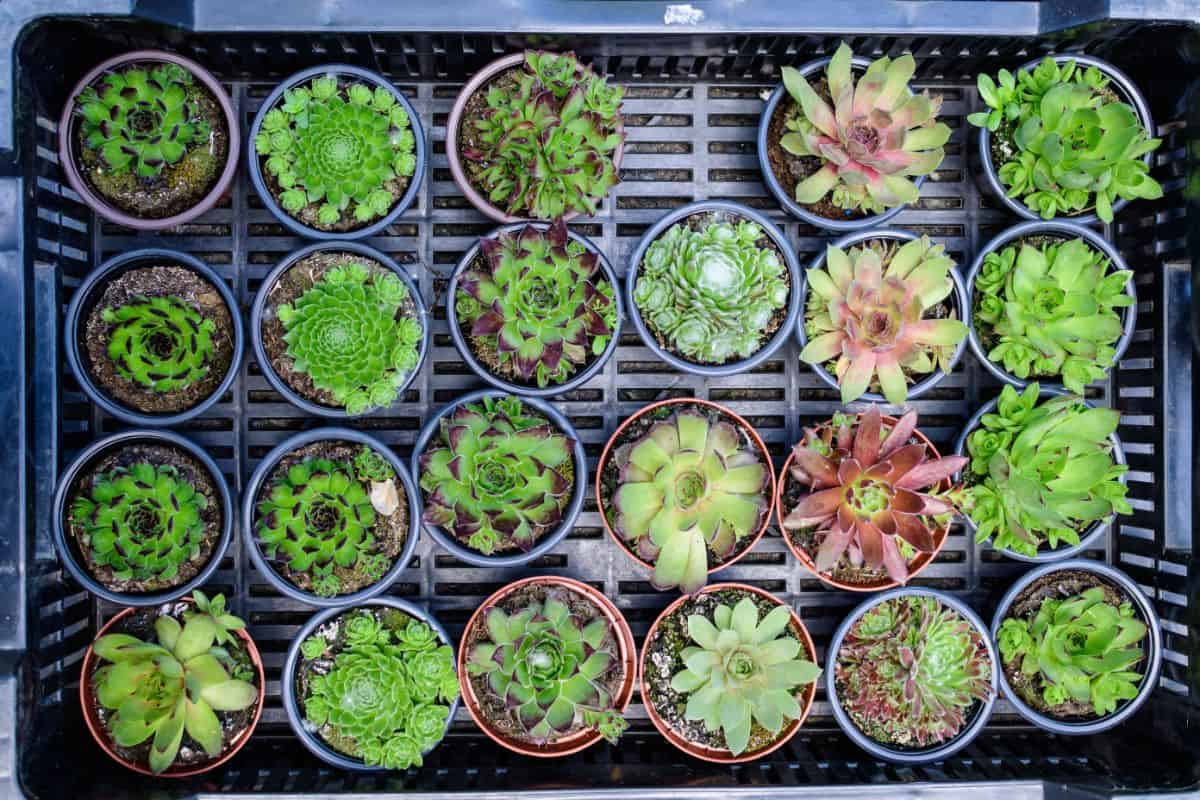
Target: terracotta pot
x,y
479,81
708,753
91,716
915,566
580,739
749,429
66,142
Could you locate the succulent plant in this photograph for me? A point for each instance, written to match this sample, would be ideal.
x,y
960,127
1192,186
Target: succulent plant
x,y
161,343
371,466
545,143
1082,649
870,137
743,670
872,495
1042,473
909,670
691,484
540,301
338,144
497,476
710,292
1052,310
1075,145
867,308
547,664
159,690
141,120
386,693
142,521
344,333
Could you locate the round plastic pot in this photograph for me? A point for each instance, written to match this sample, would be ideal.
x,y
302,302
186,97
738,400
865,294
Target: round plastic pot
x,y
714,755
455,121
918,564
789,259
959,296
750,541
68,158
544,545
460,340
1152,664
91,715
256,485
89,293
785,196
291,703
256,171
1062,229
67,549
1088,537
259,309
583,738
974,724
986,172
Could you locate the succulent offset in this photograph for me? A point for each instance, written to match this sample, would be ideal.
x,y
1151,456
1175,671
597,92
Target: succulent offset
x,y
743,670
1042,473
540,301
910,669
341,144
161,343
143,521
142,120
344,333
1082,649
544,145
871,136
547,665
1077,147
867,308
710,292
873,496
691,485
497,475
160,690
1052,310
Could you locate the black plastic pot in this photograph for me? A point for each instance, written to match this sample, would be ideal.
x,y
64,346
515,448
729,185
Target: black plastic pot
x,y
974,724
264,193
89,293
547,543
583,375
1088,537
1153,642
291,703
66,548
259,309
985,172
249,513
1068,230
789,259
960,297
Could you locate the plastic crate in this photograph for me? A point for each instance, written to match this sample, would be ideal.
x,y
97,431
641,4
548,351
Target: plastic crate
x,y
695,75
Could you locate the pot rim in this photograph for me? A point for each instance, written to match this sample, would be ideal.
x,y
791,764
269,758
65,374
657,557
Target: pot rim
x,y
87,704
798,628
66,146
794,305
411,192
584,737
464,350
256,484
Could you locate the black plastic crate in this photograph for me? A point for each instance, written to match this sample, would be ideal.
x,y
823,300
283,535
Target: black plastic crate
x,y
691,111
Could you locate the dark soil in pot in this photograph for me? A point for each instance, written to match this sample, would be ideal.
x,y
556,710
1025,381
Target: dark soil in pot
x,y
160,280
468,137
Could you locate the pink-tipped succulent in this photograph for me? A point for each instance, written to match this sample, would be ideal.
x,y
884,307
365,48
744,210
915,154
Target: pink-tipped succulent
x,y
870,490
876,135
